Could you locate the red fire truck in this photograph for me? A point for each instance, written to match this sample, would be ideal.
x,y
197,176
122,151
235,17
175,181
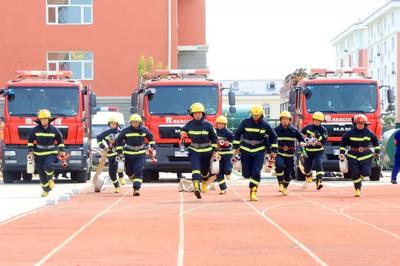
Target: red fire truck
x,y
339,95
163,102
68,100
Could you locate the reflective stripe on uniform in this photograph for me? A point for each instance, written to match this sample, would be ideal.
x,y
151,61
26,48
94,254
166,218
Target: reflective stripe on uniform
x,y
115,181
152,142
45,184
279,174
61,145
360,158
119,148
135,135
49,173
256,130
198,132
310,132
41,134
42,153
252,150
221,182
342,148
137,180
30,144
286,138
225,152
135,152
357,180
360,139
195,171
201,150
285,154
275,145
320,173
314,149
236,142
377,147
255,182
112,154
320,138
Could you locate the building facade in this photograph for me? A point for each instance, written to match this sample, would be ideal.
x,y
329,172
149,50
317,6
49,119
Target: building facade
x,y
101,41
374,42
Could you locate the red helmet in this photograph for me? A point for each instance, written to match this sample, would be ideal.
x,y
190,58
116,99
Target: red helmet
x,y
360,118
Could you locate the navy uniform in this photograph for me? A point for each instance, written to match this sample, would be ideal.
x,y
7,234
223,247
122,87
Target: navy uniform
x,y
45,144
110,136
359,155
315,152
252,138
203,146
284,163
131,143
225,138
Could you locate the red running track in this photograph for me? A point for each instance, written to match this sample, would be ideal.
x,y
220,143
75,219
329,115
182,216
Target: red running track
x,y
164,227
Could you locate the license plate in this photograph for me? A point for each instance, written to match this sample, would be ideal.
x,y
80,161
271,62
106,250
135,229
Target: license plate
x,y
181,154
336,152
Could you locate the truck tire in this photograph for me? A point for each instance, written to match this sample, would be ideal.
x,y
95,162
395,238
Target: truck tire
x,y
26,177
79,176
150,176
299,175
375,174
9,177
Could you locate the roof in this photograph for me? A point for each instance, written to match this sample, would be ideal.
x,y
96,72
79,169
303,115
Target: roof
x,y
41,82
253,87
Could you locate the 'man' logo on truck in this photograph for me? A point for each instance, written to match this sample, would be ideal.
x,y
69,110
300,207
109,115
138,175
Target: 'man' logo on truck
x,y
340,129
177,130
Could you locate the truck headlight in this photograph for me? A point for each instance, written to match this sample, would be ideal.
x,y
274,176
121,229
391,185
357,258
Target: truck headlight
x,y
10,153
76,153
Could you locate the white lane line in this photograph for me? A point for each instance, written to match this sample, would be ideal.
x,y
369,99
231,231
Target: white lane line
x,y
80,230
286,233
350,217
181,245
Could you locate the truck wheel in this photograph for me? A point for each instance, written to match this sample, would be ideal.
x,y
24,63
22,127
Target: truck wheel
x,y
150,176
9,177
299,175
26,177
375,174
79,176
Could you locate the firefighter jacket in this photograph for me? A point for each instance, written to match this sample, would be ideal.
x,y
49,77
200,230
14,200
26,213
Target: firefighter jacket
x,y
202,134
48,140
360,142
287,139
252,136
319,132
110,137
225,138
131,141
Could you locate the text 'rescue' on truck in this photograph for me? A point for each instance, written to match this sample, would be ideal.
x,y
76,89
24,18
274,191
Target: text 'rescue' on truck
x,y
163,102
68,101
339,95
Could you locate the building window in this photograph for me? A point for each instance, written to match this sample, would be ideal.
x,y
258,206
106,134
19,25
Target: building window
x,y
80,63
69,12
267,110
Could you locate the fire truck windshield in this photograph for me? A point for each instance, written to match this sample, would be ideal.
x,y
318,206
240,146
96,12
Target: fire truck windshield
x,y
176,100
342,98
60,101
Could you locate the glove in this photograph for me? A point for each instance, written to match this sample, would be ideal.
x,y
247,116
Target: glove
x,y
342,157
302,144
377,156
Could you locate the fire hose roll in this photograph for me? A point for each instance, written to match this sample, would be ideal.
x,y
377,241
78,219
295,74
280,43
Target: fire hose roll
x,y
344,166
99,186
214,166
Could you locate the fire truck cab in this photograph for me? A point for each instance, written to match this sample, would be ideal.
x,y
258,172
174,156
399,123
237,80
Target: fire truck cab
x,y
71,103
339,94
163,102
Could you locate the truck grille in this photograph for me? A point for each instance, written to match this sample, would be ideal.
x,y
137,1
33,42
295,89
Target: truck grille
x,y
23,132
172,132
335,130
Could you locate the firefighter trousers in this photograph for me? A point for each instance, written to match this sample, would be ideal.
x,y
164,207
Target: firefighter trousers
x,y
112,170
45,167
134,169
225,168
283,168
200,163
396,167
358,170
316,159
252,163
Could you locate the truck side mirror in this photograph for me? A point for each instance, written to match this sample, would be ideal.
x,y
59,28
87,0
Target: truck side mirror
x,y
390,96
391,107
9,93
232,109
291,108
292,97
231,98
93,103
134,109
150,93
307,92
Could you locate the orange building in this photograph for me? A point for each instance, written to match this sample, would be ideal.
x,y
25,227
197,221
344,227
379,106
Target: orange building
x,y
101,40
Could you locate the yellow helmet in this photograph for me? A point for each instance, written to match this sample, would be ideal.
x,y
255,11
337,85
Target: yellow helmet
x,y
113,119
257,110
318,116
222,119
44,113
135,118
285,114
197,107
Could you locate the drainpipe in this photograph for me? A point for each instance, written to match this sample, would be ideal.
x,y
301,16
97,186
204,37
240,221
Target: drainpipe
x,y
169,34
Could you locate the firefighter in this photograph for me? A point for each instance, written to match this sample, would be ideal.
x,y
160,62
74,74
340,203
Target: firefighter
x,y
287,136
203,146
251,139
396,166
360,155
131,144
316,135
45,141
109,136
225,138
